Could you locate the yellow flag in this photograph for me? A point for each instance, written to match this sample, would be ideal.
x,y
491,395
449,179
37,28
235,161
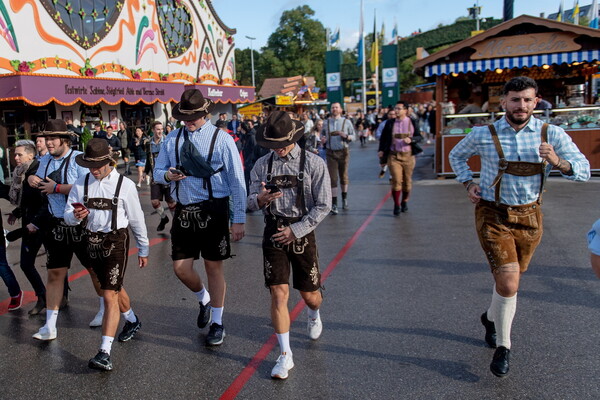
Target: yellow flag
x,y
375,49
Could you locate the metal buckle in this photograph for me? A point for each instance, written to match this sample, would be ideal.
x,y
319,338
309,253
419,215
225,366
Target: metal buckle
x,y
502,164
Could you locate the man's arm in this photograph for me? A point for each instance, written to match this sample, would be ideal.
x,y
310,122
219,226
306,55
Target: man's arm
x,y
135,215
565,156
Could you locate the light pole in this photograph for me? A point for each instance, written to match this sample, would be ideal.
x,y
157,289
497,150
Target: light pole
x,y
252,58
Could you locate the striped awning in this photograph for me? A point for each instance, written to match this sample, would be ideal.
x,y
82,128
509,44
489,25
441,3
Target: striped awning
x,y
512,62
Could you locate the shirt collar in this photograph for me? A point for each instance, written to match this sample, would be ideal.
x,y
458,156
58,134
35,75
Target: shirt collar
x,y
532,125
293,154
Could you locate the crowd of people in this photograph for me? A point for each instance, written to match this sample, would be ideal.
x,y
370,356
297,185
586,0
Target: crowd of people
x,y
289,167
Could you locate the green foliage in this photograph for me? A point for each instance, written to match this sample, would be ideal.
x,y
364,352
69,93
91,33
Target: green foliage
x,y
297,47
441,36
85,137
243,67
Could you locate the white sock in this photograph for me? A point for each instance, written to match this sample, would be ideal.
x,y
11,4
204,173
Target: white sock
x,y
203,296
107,342
129,315
217,315
51,317
161,212
504,309
490,311
101,310
284,342
313,314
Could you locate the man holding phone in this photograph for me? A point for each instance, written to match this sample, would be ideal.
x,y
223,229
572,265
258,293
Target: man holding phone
x,y
293,189
201,222
109,204
517,153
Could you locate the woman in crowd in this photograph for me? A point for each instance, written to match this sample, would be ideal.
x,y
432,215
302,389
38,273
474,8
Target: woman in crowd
x,y
124,136
137,147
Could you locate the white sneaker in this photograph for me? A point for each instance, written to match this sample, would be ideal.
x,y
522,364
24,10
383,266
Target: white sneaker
x,y
314,327
45,334
148,180
285,362
97,321
139,185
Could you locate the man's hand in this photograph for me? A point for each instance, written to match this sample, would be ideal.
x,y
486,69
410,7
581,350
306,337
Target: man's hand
x,y
172,176
11,219
285,235
548,154
32,228
47,186
237,231
142,261
407,140
474,193
265,196
34,181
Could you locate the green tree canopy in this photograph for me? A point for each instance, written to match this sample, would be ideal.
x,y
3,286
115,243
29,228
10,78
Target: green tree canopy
x,y
297,47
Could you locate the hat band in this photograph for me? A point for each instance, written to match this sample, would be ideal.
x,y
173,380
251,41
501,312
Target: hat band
x,y
190,112
287,137
57,132
101,158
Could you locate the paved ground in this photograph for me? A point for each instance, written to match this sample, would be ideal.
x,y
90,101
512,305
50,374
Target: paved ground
x,y
401,313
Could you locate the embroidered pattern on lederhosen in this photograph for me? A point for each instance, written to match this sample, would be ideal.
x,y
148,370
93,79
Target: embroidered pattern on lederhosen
x,y
193,217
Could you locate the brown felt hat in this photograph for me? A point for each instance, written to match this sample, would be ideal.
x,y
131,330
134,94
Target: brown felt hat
x,y
193,105
279,131
56,127
96,155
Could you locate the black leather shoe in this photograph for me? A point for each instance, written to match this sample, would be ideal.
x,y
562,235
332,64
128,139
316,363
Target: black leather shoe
x,y
216,334
396,210
129,330
345,204
40,305
204,315
101,362
334,210
403,207
163,222
499,365
490,330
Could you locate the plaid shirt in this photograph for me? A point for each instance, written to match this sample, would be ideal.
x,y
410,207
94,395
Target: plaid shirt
x,y
317,189
229,182
517,146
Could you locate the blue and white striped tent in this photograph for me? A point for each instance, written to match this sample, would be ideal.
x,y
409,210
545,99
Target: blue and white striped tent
x,y
512,62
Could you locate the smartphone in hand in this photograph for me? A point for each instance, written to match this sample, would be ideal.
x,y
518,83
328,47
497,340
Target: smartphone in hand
x,y
176,171
78,206
272,188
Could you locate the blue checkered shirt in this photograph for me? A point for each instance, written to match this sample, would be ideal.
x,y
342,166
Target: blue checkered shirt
x,y
228,182
517,146
58,201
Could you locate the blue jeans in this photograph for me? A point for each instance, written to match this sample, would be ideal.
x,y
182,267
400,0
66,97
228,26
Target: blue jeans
x,y
30,245
6,273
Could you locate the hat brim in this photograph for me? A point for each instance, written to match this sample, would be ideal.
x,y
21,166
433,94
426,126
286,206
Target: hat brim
x,y
68,135
178,115
80,160
272,144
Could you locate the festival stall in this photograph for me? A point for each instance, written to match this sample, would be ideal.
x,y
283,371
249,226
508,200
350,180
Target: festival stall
x,y
110,61
469,77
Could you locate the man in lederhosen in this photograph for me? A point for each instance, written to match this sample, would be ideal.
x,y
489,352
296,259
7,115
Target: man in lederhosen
x,y
338,131
293,189
517,153
55,175
203,167
109,203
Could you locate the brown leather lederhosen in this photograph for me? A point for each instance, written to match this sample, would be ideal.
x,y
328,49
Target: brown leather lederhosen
x,y
107,251
517,168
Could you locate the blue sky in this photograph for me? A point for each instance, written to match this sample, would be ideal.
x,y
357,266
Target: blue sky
x,y
259,18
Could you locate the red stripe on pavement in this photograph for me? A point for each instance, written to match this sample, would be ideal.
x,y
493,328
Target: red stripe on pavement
x,y
240,381
30,297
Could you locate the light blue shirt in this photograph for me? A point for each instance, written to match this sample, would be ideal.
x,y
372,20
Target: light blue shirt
x,y
517,146
57,201
228,182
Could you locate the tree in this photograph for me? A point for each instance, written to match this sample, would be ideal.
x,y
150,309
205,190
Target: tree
x,y
243,67
297,47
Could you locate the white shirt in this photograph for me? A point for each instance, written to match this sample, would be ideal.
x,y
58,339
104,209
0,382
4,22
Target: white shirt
x,y
129,209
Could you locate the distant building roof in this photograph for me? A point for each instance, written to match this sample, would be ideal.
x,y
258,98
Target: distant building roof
x,y
285,86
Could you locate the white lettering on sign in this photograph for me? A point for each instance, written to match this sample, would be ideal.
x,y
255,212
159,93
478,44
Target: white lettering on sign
x,y
215,92
243,94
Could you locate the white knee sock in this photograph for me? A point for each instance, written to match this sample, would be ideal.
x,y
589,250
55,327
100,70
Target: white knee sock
x,y
284,342
490,311
313,314
203,296
107,342
217,315
504,309
129,315
51,317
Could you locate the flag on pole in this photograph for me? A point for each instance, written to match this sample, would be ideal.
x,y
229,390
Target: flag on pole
x,y
361,44
576,13
335,38
395,34
594,16
374,48
382,33
559,16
